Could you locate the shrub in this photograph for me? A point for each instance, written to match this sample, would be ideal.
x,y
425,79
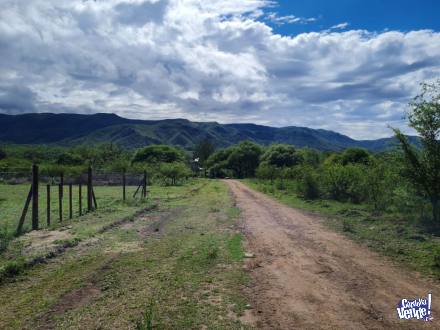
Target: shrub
x,y
355,156
11,269
281,155
267,172
174,172
280,184
5,238
69,159
379,183
345,183
308,186
159,154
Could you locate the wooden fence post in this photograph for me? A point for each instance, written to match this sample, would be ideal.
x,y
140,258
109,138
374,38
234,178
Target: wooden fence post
x,y
80,198
70,201
48,204
144,185
35,183
60,201
62,184
94,199
89,190
23,214
123,185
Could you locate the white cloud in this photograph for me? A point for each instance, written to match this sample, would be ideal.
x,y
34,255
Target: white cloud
x,y
206,60
288,19
340,26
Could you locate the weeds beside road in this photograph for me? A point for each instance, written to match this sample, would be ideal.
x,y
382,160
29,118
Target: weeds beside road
x,y
180,265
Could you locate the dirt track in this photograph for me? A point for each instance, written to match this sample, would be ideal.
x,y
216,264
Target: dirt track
x,y
307,277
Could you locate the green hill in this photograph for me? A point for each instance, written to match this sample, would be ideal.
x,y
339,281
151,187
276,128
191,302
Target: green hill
x,y
71,129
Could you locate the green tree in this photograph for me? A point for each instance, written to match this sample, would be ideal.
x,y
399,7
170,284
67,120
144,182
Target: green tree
x,y
2,154
355,156
173,172
203,151
281,155
310,157
345,183
244,159
267,172
217,163
159,153
308,183
423,166
69,159
380,181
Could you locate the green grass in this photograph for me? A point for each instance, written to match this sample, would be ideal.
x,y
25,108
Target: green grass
x,y
398,236
111,209
187,274
13,197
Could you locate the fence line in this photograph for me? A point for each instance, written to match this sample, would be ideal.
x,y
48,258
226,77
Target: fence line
x,y
92,178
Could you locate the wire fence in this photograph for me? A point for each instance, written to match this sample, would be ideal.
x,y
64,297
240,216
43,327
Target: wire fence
x,y
64,195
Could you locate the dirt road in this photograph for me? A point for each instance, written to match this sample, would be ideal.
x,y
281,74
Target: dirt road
x,y
307,277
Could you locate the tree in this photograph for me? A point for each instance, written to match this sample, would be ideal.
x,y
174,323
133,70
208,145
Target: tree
x,y
281,155
244,159
159,153
267,172
174,172
308,183
2,154
310,157
423,166
355,156
203,151
217,162
69,159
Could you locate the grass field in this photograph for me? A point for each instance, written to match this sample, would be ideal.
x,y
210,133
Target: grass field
x,y
13,197
176,266
395,235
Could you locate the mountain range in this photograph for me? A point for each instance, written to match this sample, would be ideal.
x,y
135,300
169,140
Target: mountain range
x,y
72,129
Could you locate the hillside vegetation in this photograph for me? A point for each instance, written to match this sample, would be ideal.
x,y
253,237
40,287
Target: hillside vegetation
x,y
74,129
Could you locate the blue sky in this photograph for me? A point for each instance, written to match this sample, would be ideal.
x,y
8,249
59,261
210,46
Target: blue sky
x,y
371,15
350,66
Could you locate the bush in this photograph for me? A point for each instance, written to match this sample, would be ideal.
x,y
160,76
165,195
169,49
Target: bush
x,y
159,154
267,172
69,159
355,156
174,172
379,184
5,238
280,184
345,183
308,186
11,269
281,155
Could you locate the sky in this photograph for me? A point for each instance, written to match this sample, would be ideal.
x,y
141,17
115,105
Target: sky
x,y
349,66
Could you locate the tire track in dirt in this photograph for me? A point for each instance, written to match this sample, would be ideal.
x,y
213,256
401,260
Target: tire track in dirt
x,y
148,225
306,276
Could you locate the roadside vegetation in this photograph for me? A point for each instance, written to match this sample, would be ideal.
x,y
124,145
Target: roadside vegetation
x,y
390,201
177,266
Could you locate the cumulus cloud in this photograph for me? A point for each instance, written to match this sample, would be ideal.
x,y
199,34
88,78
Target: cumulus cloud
x,y
206,60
